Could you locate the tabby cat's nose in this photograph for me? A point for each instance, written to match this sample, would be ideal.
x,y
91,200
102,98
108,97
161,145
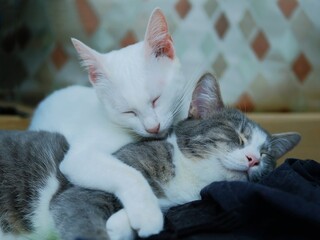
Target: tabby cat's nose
x,y
253,161
154,130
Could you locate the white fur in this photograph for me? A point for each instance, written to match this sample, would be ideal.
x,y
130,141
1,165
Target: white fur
x,y
237,160
118,226
193,175
190,177
42,219
95,123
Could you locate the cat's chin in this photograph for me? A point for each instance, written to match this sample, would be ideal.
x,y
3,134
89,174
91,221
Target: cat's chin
x,y
160,135
254,175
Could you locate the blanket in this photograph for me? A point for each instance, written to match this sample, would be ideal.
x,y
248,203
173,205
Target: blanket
x,y
283,205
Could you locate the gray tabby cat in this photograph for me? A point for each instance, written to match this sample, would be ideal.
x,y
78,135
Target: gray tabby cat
x,y
215,143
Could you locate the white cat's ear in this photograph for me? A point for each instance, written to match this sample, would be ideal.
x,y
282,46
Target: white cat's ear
x,y
158,41
206,98
89,60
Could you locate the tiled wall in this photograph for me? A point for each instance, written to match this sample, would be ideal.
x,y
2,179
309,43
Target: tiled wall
x,y
266,53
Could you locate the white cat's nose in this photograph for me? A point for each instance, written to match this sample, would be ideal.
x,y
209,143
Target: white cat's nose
x,y
154,130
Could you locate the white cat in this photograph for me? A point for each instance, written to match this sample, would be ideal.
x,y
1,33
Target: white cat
x,y
137,91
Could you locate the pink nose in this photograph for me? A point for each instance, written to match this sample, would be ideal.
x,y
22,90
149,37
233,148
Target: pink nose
x,y
253,161
154,130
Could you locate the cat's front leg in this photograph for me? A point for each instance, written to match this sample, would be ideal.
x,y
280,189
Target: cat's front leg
x,y
97,170
142,208
118,226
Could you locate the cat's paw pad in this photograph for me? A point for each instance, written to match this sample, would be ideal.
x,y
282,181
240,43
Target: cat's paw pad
x,y
148,222
118,227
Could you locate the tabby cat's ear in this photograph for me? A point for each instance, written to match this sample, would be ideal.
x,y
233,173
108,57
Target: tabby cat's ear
x,y
89,59
206,98
283,142
157,40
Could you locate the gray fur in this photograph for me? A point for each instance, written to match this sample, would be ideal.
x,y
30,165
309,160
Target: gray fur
x,y
81,213
153,159
198,138
28,158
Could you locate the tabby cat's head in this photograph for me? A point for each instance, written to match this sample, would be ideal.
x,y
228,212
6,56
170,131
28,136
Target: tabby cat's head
x,y
218,133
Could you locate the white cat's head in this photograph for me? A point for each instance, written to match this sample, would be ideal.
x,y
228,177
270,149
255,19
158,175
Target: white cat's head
x,y
138,84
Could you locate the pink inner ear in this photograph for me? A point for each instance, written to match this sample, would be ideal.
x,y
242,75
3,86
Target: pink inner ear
x,y
92,74
165,48
158,37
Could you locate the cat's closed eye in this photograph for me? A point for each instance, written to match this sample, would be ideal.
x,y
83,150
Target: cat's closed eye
x,y
264,154
154,101
130,112
241,140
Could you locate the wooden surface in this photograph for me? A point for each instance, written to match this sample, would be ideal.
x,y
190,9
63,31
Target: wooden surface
x,y
307,124
14,123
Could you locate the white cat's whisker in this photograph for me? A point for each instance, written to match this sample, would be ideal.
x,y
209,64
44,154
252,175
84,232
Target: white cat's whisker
x,y
186,93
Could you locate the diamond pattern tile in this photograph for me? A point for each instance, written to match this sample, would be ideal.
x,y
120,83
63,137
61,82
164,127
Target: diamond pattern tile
x,y
260,88
302,27
222,25
128,39
248,68
181,44
311,9
260,45
267,52
245,103
287,7
247,24
88,17
301,67
59,56
183,7
210,7
219,66
286,45
207,45
258,82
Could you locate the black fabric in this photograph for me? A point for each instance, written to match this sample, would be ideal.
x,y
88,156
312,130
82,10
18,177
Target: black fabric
x,y
283,205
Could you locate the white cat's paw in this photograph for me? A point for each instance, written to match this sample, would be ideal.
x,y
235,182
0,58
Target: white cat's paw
x,y
118,226
147,220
